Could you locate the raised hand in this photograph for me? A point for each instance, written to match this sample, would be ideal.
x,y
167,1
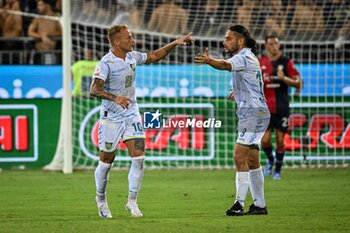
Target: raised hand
x,y
202,58
185,40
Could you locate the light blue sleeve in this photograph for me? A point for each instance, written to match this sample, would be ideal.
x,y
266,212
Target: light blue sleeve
x,y
139,57
101,71
238,62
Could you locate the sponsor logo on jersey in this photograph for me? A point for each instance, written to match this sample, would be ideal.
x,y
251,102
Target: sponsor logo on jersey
x,y
273,85
133,66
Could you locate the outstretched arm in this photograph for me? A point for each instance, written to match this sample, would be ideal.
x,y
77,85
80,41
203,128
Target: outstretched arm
x,y
220,64
97,91
162,52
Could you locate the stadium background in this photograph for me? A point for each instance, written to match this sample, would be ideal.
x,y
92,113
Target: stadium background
x,y
313,195
320,129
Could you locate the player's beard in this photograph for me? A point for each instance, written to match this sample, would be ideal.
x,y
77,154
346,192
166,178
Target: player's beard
x,y
275,52
128,49
233,50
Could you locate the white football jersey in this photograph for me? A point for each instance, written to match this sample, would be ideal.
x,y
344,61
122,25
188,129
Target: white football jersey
x,y
119,77
248,85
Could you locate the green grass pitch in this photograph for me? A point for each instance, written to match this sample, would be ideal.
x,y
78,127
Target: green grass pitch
x,y
305,200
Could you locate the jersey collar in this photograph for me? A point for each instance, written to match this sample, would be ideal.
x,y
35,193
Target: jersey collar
x,y
245,49
118,58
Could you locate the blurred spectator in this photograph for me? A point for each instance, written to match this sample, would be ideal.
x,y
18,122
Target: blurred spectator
x,y
42,29
11,24
11,29
149,6
105,12
334,14
290,8
206,20
82,73
344,32
244,14
28,6
307,19
87,10
58,5
275,23
169,18
99,12
137,12
123,12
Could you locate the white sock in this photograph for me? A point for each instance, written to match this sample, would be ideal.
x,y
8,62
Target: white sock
x,y
101,178
257,187
242,185
135,177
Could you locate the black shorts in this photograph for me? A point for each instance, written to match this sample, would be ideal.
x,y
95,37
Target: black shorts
x,y
280,122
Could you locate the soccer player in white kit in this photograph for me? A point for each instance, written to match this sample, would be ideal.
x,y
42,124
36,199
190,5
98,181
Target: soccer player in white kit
x,y
252,112
114,82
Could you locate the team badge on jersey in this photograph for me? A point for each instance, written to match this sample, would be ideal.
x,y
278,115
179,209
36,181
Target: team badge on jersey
x,y
108,145
133,66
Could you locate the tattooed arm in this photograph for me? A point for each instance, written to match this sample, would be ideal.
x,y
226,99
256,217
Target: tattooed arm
x,y
96,90
162,52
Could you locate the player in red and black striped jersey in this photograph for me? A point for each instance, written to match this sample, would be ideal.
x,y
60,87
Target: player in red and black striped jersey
x,y
278,73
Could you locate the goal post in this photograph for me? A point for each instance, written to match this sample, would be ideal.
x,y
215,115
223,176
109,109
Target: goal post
x,y
67,96
63,158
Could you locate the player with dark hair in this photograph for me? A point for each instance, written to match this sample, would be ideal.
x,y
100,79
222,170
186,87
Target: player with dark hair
x,y
114,82
253,115
278,73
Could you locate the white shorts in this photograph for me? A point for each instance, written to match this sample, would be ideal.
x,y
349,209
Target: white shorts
x,y
251,130
110,133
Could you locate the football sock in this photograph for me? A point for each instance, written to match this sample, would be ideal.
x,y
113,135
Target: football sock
x,y
135,177
242,185
269,154
257,187
101,178
279,159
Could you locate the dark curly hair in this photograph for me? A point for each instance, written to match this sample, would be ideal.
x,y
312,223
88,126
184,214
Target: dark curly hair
x,y
249,42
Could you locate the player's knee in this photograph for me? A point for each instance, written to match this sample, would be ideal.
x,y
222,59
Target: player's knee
x,y
253,165
106,157
280,143
239,159
265,142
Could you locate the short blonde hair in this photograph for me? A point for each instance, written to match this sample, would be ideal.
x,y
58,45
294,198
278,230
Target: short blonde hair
x,y
113,30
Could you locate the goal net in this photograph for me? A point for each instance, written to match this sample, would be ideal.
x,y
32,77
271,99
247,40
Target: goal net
x,y
313,35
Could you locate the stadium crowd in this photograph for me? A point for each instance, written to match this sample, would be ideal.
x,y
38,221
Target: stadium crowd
x,y
28,40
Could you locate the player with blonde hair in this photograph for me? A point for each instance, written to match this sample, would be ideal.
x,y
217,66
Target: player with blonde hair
x,y
114,82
